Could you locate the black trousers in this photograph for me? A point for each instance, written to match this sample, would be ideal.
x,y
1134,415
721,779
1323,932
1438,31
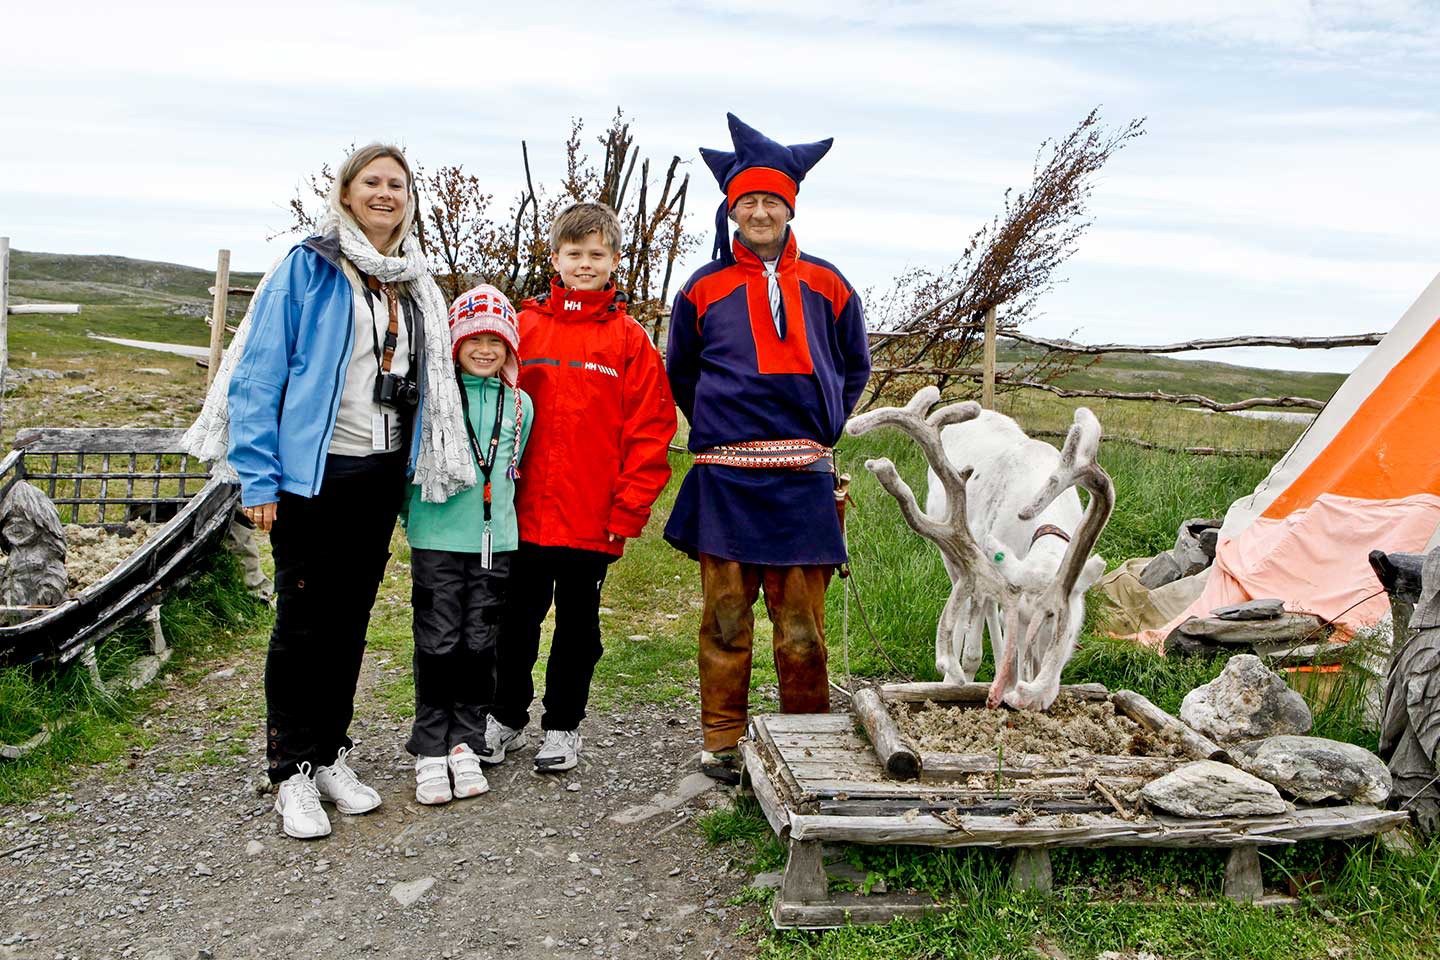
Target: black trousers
x,y
330,554
572,579
458,606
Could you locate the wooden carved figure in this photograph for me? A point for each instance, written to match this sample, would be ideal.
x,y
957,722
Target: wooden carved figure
x,y
31,534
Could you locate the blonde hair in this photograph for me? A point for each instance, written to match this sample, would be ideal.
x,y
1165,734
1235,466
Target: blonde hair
x,y
351,168
579,220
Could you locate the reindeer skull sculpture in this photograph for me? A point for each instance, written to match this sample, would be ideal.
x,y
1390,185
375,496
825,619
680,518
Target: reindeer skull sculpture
x,y
1041,610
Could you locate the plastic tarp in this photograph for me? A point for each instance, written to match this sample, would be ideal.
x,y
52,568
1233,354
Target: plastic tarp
x,y
1315,559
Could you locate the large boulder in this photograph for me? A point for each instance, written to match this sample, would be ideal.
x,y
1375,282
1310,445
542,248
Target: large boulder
x,y
1207,788
1315,769
1247,701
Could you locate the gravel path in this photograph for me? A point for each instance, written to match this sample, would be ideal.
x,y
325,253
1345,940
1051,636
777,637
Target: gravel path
x,y
173,854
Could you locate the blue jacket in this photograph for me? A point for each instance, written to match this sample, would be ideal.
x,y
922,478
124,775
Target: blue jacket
x,y
285,392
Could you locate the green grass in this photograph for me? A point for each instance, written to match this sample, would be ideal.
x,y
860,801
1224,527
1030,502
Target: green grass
x,y
211,617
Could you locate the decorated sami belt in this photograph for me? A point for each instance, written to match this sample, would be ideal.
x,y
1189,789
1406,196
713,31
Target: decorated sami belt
x,y
804,455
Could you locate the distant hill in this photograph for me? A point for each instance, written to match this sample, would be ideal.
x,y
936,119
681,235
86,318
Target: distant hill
x,y
1226,382
118,296
148,300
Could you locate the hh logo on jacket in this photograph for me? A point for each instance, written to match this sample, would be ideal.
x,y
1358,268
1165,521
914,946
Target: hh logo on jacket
x,y
572,304
601,368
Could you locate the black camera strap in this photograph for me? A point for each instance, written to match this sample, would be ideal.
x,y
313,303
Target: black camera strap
x,y
385,352
486,462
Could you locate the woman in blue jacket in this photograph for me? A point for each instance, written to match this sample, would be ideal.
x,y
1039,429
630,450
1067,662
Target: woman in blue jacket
x,y
329,399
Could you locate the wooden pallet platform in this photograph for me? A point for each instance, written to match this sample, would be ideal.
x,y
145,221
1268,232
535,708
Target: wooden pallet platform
x,y
819,781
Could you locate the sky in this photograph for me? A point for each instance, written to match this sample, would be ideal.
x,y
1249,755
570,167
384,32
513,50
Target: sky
x,y
1285,184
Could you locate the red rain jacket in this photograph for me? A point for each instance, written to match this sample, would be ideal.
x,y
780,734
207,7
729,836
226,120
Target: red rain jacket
x,y
597,458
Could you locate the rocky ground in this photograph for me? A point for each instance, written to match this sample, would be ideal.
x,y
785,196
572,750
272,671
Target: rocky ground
x,y
174,853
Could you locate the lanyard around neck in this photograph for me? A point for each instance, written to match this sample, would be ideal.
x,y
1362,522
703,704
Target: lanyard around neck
x,y
486,463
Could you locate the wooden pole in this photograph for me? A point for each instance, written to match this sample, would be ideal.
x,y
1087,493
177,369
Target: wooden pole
x,y
895,753
217,315
987,391
4,321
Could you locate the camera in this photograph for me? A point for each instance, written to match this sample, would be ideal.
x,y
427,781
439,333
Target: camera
x,y
393,390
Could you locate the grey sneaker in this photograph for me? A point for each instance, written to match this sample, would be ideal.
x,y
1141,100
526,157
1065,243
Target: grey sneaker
x,y
498,740
560,751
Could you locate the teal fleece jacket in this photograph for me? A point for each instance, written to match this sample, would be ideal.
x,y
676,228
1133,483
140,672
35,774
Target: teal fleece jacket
x,y
458,524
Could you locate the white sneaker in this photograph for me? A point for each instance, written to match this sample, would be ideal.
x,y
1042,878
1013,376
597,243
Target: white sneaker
x,y
465,771
298,803
338,784
432,781
560,751
499,739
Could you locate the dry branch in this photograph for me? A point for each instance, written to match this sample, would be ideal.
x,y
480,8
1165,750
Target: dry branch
x,y
1147,445
1298,343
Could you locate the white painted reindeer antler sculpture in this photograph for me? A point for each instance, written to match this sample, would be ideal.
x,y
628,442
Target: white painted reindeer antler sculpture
x,y
1041,614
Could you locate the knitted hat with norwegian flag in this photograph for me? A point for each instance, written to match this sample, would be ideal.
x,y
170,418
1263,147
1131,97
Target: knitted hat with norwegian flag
x,y
484,309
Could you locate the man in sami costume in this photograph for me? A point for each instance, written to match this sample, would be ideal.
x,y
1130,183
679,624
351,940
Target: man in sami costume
x,y
767,358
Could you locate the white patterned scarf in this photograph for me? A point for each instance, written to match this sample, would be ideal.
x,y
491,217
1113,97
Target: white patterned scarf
x,y
444,465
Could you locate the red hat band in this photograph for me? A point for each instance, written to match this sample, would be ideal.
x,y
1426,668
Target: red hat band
x,y
761,180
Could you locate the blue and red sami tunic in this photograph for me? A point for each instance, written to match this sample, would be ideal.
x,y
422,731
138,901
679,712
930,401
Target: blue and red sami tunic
x,y
736,379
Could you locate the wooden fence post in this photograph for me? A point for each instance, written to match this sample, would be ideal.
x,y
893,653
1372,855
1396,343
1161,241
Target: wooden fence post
x,y
987,389
217,315
4,321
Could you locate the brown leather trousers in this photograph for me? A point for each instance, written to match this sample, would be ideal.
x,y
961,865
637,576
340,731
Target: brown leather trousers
x,y
795,600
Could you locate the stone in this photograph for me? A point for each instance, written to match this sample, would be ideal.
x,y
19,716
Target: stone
x,y
1179,644
407,893
254,848
1163,569
1247,701
1208,788
766,881
1267,609
1315,769
1286,628
153,371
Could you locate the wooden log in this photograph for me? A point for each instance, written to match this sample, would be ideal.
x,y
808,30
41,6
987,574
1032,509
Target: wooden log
x,y
804,879
4,321
20,309
1098,830
1398,573
894,752
974,692
1148,445
217,328
980,804
777,723
1030,870
979,788
1244,882
942,766
1139,708
848,909
53,440
1296,343
784,781
764,789
987,384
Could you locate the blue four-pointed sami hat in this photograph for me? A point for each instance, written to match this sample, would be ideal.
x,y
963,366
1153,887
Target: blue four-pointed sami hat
x,y
758,164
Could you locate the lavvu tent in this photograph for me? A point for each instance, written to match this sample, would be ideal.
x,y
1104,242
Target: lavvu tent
x,y
1365,476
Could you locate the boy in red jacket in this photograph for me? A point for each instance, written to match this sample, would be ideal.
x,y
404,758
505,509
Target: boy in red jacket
x,y
595,462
